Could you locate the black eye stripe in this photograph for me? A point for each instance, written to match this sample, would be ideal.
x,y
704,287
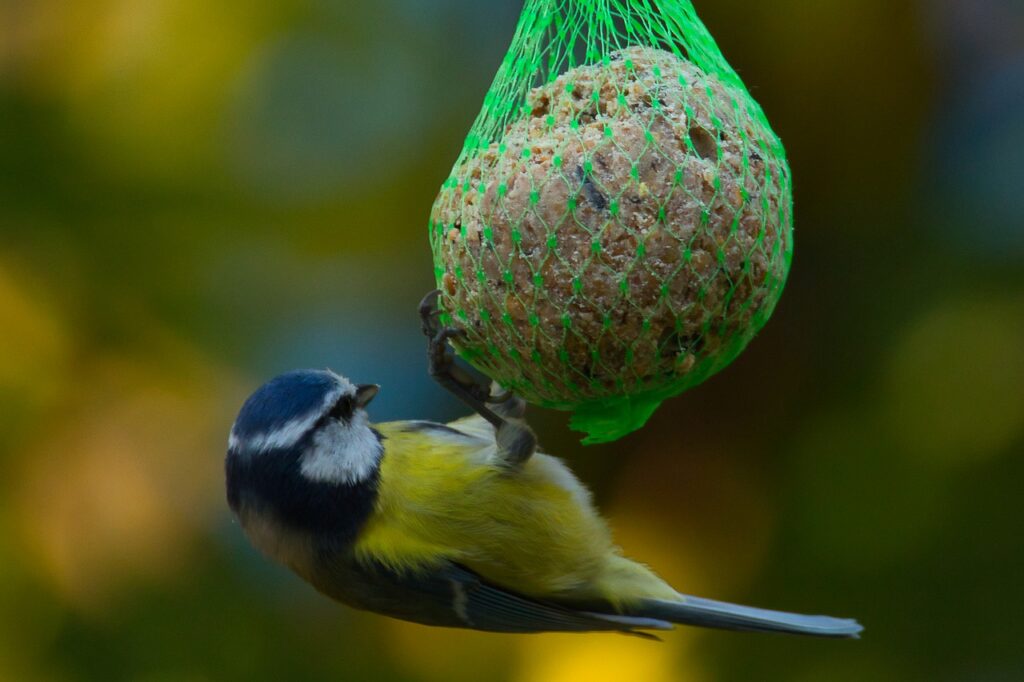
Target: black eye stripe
x,y
343,408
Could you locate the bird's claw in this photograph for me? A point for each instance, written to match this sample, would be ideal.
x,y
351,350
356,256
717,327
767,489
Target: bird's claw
x,y
444,368
516,441
430,313
442,364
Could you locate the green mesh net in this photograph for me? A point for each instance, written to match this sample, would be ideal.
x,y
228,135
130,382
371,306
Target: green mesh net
x,y
618,225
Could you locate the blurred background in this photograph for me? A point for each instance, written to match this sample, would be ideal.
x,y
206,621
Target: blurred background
x,y
198,194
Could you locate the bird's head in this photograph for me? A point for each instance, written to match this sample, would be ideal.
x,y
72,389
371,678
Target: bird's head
x,y
303,452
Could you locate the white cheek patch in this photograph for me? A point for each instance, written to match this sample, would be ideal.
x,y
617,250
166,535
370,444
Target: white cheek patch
x,y
342,453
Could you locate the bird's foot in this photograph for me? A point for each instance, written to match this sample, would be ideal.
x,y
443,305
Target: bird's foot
x,y
503,409
443,367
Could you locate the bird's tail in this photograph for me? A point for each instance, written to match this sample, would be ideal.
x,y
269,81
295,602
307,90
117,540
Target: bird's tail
x,y
716,614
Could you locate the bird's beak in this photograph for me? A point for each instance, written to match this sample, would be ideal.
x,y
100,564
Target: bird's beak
x,y
365,393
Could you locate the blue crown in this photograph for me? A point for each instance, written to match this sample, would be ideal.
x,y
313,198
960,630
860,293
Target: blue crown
x,y
283,399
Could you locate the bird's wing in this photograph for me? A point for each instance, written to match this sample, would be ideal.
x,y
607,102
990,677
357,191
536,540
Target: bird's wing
x,y
473,428
488,607
453,596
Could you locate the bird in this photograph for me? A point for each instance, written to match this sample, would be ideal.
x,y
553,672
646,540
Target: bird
x,y
465,524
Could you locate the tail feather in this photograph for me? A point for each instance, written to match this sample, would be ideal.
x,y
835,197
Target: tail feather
x,y
716,614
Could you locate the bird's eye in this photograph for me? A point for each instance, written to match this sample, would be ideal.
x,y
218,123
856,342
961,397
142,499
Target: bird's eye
x,y
343,408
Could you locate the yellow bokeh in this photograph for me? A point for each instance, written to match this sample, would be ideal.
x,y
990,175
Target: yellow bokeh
x,y
115,492
147,80
606,658
34,348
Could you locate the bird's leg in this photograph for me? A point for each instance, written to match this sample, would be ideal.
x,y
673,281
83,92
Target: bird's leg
x,y
442,365
454,378
506,403
516,441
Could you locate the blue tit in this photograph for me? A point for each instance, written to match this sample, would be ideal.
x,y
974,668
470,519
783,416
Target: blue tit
x,y
461,524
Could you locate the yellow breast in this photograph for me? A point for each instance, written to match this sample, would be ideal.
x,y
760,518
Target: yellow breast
x,y
443,497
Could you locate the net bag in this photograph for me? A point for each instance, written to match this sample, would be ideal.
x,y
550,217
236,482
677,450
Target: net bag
x,y
618,225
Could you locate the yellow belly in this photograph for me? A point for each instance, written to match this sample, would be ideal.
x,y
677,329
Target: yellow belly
x,y
442,497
